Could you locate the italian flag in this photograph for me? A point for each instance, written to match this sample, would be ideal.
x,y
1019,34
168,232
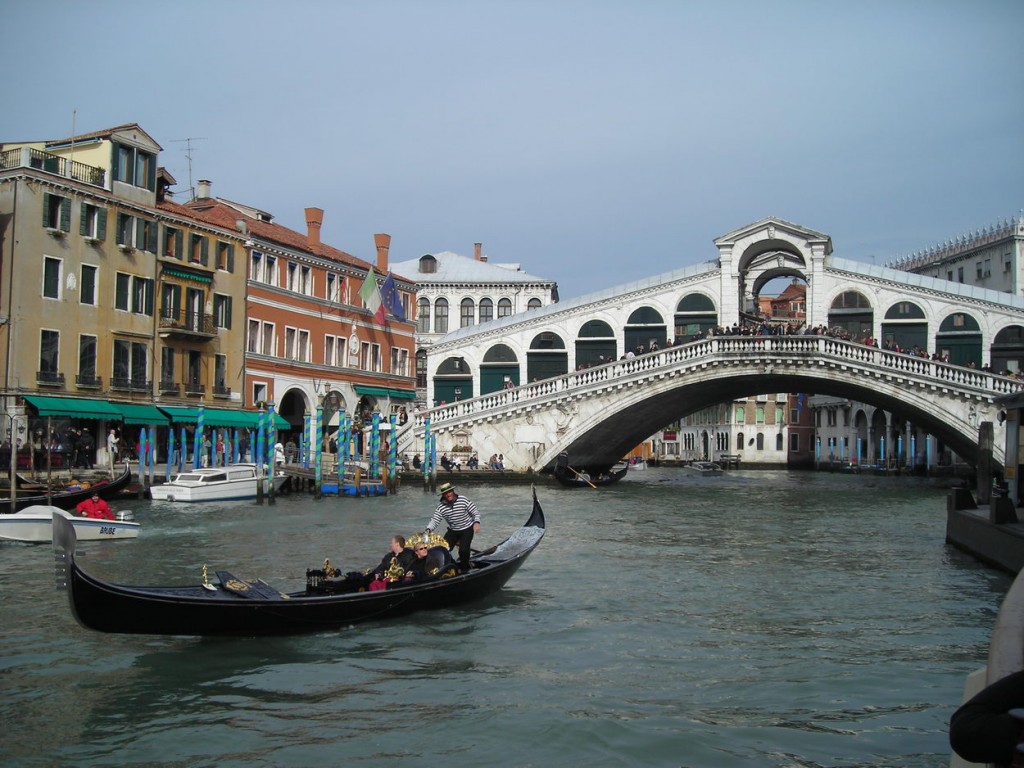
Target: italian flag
x,y
370,294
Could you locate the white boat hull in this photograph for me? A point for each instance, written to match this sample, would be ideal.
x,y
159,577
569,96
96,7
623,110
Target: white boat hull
x,y
35,525
232,483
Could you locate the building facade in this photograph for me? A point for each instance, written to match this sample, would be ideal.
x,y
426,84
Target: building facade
x,y
123,308
110,295
456,292
310,339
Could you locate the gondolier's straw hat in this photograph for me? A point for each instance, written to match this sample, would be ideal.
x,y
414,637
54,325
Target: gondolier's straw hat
x,y
445,488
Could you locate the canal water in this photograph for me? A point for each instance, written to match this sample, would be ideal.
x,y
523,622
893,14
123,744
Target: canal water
x,y
758,618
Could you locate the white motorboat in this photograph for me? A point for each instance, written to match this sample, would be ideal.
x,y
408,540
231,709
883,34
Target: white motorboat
x,y
35,524
637,463
703,468
236,481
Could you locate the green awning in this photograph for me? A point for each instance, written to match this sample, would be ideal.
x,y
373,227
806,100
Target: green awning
x,y
402,394
375,391
188,275
73,407
141,414
221,417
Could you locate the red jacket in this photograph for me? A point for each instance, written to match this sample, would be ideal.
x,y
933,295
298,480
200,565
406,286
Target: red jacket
x,y
97,508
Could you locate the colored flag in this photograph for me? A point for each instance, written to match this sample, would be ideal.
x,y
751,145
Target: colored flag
x,y
392,299
370,294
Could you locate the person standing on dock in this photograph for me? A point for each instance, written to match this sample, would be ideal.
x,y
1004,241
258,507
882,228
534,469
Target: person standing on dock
x,y
463,519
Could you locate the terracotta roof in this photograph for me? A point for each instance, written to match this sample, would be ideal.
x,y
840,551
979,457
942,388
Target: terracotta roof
x,y
212,211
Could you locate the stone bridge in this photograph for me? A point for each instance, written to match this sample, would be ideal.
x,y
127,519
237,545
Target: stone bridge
x,y
598,414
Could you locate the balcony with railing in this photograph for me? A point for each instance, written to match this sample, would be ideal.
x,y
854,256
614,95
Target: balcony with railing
x,y
49,378
186,324
88,381
195,389
129,384
168,387
27,157
221,391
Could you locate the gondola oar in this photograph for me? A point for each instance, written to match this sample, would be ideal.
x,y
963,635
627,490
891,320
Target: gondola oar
x,y
581,477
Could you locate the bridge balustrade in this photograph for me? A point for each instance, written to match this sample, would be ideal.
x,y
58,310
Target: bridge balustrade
x,y
675,358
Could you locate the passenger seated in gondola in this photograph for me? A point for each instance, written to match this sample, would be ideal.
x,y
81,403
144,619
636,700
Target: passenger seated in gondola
x,y
430,563
399,556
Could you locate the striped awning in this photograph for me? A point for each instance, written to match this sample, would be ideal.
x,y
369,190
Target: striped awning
x,y
183,275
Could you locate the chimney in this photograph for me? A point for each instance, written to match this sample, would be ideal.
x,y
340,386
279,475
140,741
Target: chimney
x,y
203,189
476,252
314,220
383,243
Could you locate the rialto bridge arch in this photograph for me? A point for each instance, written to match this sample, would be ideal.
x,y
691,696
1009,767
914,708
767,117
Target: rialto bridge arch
x,y
978,329
599,413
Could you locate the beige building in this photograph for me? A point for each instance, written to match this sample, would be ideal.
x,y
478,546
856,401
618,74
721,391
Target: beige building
x,y
111,300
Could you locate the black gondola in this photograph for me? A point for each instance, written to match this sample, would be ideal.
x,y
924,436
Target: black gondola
x,y
68,500
241,608
572,478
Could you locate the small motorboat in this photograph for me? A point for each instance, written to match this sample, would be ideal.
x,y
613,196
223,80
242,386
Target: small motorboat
x,y
34,524
228,605
235,481
703,468
637,463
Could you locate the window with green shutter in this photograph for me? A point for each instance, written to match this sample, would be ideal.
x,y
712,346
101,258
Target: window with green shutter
x,y
173,240
87,290
56,212
51,278
121,292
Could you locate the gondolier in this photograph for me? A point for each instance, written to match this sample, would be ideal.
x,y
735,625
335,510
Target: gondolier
x,y
463,519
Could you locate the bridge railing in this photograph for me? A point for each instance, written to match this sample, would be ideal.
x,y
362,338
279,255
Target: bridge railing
x,y
671,358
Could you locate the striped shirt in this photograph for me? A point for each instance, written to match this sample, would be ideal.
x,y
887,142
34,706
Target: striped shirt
x,y
459,515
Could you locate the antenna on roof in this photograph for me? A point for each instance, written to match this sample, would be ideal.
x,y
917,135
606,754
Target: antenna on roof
x,y
188,154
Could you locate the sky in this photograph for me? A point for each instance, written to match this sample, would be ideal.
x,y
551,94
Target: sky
x,y
593,143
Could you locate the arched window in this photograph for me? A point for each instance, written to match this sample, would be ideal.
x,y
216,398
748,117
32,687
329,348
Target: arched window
x,y
851,300
486,310
428,264
778,442
695,314
467,313
760,441
441,316
423,315
595,344
504,307
533,303
739,441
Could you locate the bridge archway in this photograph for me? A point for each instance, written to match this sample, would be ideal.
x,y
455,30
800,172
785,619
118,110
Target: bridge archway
x,y
851,312
696,314
906,326
645,326
547,357
1008,349
499,366
603,437
595,344
959,339
453,381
